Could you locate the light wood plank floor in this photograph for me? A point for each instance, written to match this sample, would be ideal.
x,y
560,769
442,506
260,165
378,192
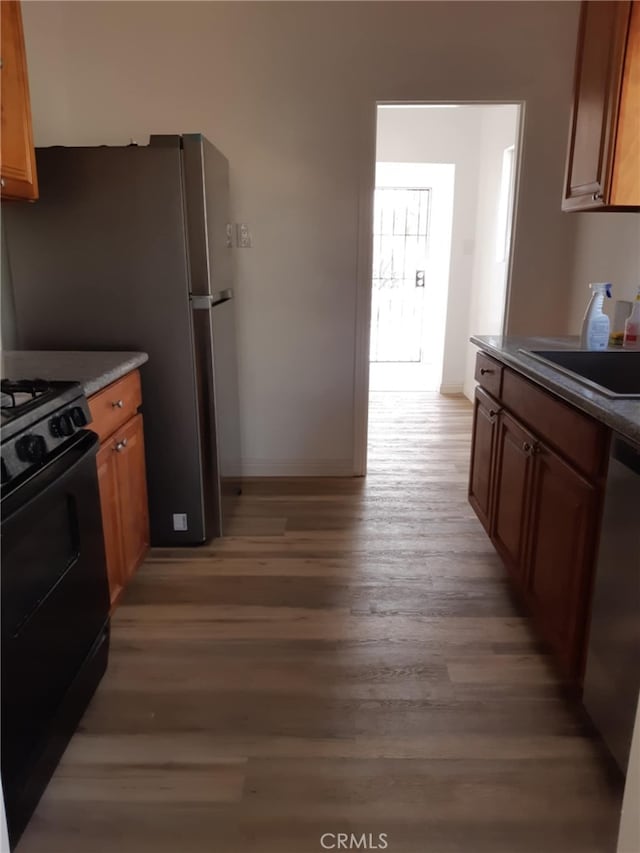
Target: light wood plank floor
x,y
349,661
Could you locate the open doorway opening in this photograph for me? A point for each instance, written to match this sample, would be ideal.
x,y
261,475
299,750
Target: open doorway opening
x,y
442,229
413,213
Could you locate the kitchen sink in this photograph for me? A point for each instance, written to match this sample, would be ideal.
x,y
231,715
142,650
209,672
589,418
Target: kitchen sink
x,y
611,372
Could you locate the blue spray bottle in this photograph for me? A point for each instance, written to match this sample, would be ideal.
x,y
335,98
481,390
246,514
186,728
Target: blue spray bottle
x,y
595,326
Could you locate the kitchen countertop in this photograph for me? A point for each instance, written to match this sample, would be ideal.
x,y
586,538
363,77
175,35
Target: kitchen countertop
x,y
94,370
623,416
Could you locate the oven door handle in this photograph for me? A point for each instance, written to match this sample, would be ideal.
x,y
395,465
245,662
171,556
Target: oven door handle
x,y
52,474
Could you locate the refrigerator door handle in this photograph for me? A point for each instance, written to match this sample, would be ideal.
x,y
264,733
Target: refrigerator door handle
x,y
205,302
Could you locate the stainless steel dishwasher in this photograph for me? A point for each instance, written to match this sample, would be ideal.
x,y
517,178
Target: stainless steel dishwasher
x,y
612,677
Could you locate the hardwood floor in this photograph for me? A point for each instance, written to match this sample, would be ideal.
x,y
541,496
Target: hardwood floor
x,y
350,660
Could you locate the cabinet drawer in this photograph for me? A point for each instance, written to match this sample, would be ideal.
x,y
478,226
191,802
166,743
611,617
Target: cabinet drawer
x,y
582,440
115,404
489,373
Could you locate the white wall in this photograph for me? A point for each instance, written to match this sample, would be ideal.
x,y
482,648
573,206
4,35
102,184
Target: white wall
x,y
288,92
444,136
607,248
489,278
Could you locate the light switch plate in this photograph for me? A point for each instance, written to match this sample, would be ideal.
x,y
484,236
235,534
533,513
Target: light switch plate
x,y
180,521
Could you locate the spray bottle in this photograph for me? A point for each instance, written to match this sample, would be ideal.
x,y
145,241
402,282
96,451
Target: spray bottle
x,y
595,326
632,326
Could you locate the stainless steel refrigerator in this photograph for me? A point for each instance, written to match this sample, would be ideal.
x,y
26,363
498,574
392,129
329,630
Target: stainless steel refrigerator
x,y
129,248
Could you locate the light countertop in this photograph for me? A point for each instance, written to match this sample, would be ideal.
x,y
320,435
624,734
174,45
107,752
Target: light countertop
x,y
94,370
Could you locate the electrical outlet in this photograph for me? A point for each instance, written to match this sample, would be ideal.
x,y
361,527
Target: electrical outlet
x,y
243,236
180,521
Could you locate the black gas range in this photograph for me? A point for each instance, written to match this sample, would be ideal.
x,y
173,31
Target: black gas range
x,y
54,589
37,418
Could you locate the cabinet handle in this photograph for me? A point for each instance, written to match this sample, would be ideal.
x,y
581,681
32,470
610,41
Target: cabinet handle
x,y
494,412
531,449
2,183
118,404
120,445
484,370
597,196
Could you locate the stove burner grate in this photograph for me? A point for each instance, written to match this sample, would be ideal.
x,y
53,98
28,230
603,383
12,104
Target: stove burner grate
x,y
14,394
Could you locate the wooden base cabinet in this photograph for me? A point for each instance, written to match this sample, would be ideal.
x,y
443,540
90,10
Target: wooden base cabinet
x,y
132,495
482,453
541,511
562,529
110,507
511,486
122,480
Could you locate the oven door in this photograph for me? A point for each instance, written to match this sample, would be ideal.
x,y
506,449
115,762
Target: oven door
x,y
55,598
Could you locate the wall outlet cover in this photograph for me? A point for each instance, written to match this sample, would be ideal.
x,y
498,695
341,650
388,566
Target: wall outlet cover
x,y
243,236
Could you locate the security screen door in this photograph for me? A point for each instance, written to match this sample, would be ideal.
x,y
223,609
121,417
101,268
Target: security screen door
x,y
400,242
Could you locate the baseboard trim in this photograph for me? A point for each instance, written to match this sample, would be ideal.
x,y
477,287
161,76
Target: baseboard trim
x,y
451,390
297,468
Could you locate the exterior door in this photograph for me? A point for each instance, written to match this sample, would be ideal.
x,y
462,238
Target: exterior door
x,y
400,242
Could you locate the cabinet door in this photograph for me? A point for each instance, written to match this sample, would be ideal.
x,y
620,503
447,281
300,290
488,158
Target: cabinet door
x,y
110,506
18,166
561,553
625,189
514,463
598,78
482,453
128,445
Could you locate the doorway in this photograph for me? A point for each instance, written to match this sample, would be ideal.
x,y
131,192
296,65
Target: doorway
x,y
441,232
413,212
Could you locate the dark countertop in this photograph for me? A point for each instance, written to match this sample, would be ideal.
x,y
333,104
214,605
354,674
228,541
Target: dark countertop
x,y
623,416
94,370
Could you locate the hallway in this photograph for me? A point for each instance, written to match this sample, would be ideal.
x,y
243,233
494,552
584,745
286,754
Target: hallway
x,y
350,660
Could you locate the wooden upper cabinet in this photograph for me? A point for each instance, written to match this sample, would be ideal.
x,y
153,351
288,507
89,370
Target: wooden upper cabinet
x,y
603,167
17,156
625,186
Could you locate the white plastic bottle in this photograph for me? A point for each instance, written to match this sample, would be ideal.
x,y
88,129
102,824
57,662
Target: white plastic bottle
x,y
595,326
631,338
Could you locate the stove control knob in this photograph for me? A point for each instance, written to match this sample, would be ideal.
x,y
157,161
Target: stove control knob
x,y
65,424
78,416
31,448
54,427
